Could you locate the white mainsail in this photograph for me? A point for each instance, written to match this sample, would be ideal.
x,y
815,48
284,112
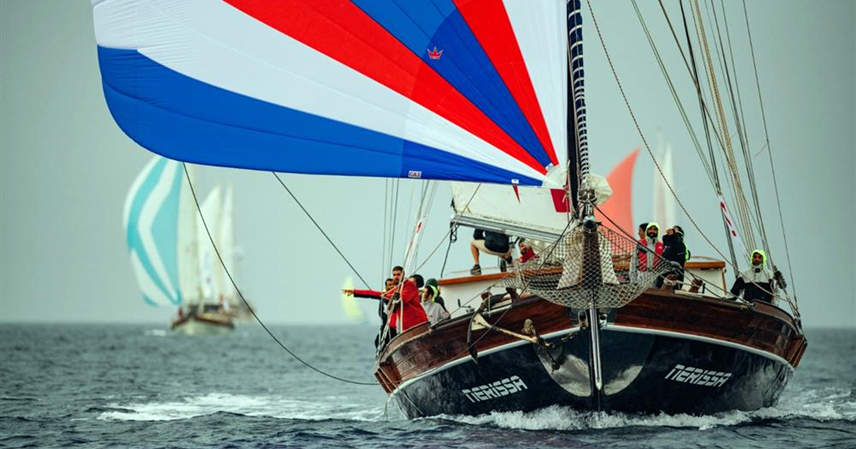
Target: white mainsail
x,y
226,245
664,201
209,265
188,244
540,213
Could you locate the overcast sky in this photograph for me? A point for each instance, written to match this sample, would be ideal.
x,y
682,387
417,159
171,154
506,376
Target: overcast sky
x,y
65,168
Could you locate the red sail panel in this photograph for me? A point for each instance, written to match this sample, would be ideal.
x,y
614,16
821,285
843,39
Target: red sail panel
x,y
343,32
490,24
619,207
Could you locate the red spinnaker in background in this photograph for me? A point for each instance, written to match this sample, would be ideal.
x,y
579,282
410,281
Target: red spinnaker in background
x,y
619,207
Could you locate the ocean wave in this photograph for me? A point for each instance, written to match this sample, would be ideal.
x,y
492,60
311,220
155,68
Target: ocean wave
x,y
818,405
157,333
270,406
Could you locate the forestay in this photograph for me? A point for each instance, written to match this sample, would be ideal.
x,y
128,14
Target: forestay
x,y
471,90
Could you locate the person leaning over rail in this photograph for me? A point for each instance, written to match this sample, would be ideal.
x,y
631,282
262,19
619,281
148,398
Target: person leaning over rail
x,y
488,242
406,308
389,288
756,282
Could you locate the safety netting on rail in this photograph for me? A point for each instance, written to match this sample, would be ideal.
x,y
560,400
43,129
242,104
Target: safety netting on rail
x,y
590,267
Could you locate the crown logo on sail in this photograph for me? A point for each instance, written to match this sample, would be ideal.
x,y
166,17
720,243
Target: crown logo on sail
x,y
434,54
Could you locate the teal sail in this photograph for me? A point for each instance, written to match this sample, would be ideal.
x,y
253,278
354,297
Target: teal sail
x,y
156,226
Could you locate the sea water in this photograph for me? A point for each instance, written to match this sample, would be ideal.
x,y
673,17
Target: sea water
x,y
143,386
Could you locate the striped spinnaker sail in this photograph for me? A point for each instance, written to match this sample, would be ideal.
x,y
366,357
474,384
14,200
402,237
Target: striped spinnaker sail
x,y
470,90
155,229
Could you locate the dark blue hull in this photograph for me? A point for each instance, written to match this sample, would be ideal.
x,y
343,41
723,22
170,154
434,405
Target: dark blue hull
x,y
644,370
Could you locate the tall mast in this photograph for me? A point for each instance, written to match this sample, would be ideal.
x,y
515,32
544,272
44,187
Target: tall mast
x,y
584,198
578,162
714,170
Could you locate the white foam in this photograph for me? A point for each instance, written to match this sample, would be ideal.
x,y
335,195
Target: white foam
x,y
277,407
821,405
156,333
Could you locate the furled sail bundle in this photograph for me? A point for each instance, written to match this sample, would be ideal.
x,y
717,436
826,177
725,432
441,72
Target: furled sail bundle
x,y
469,90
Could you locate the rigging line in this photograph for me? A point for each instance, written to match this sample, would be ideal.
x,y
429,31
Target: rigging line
x,y
725,293
742,207
642,136
383,264
312,219
769,151
676,97
246,303
656,164
714,182
707,116
522,290
385,330
741,130
453,236
394,220
742,116
408,216
700,95
449,232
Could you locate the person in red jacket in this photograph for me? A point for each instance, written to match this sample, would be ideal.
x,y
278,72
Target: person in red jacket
x,y
650,244
407,309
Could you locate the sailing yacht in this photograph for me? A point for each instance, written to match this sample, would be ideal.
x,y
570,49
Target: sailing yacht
x,y
170,251
489,95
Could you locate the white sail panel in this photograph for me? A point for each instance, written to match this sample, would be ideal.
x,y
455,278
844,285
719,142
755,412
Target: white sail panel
x,y
522,211
664,201
188,245
209,265
226,245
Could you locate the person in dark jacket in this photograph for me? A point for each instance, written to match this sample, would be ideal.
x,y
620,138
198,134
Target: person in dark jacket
x,y
675,250
488,242
756,282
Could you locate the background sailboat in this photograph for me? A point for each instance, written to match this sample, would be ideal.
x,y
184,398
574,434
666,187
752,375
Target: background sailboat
x,y
350,305
171,261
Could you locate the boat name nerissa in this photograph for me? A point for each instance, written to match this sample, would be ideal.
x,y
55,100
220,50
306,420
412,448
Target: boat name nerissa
x,y
698,376
503,387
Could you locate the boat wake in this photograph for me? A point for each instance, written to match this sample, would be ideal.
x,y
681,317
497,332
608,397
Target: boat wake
x,y
831,404
333,407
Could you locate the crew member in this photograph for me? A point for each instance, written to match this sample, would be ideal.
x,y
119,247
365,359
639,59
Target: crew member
x,y
406,307
675,250
488,242
651,245
433,310
756,282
